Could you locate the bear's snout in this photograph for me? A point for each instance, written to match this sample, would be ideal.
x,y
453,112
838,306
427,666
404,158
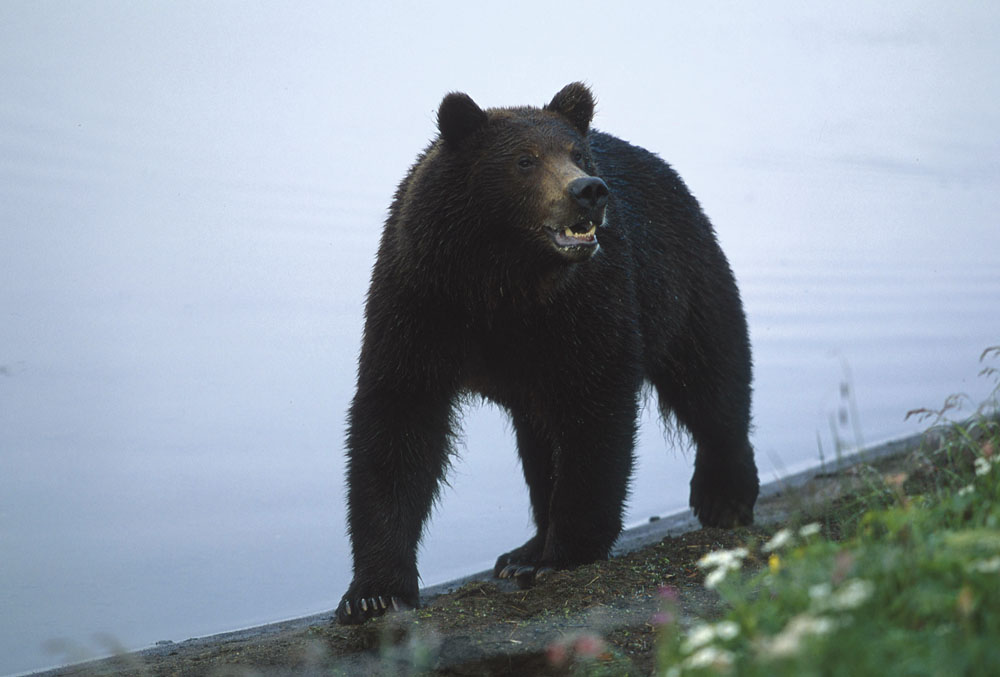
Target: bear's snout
x,y
590,192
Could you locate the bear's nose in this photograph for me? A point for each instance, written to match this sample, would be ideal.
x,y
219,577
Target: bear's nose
x,y
589,192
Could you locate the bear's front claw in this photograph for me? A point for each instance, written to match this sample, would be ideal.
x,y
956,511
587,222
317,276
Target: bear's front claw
x,y
360,609
378,604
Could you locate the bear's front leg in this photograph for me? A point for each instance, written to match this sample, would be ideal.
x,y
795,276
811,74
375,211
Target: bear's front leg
x,y
397,448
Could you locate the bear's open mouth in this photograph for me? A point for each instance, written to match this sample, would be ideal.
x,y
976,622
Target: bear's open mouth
x,y
583,234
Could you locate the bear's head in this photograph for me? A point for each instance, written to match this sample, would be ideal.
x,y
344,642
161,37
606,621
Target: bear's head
x,y
527,183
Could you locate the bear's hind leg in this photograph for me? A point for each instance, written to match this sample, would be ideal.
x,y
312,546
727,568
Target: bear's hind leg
x,y
535,452
711,398
585,488
705,383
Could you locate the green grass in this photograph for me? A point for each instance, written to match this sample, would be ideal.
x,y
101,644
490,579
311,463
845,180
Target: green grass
x,y
902,578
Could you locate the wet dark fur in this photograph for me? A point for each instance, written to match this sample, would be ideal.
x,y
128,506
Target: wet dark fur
x,y
468,295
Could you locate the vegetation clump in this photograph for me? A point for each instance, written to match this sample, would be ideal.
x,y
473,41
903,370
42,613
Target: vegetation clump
x,y
902,577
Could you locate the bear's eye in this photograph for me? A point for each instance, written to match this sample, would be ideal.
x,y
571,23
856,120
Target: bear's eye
x,y
578,157
525,162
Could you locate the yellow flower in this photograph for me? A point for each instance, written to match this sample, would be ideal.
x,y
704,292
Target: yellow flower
x,y
774,563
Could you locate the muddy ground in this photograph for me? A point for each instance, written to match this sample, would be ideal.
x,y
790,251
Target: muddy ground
x,y
607,611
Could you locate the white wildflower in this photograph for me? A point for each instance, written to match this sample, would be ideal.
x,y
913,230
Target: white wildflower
x,y
986,566
706,633
788,642
820,591
723,558
710,657
852,595
964,491
983,466
721,562
810,529
726,629
699,636
780,539
715,577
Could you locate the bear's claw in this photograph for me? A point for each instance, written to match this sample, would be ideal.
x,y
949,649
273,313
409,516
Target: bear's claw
x,y
525,575
376,603
368,607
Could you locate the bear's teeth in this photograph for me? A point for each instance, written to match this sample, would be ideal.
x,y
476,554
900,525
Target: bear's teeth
x,y
569,232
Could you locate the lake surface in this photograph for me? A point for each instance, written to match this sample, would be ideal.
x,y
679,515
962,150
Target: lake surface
x,y
190,202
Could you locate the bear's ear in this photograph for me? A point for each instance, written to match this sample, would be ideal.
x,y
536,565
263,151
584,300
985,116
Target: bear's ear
x,y
575,103
458,117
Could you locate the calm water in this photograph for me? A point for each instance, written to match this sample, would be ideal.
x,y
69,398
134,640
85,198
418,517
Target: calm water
x,y
191,199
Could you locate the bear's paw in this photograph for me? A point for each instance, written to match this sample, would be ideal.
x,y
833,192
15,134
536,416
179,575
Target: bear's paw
x,y
359,604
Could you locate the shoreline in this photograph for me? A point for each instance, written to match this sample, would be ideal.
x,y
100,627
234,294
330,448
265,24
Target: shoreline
x,y
778,500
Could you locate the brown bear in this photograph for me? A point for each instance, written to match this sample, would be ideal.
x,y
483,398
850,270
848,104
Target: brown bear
x,y
554,270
